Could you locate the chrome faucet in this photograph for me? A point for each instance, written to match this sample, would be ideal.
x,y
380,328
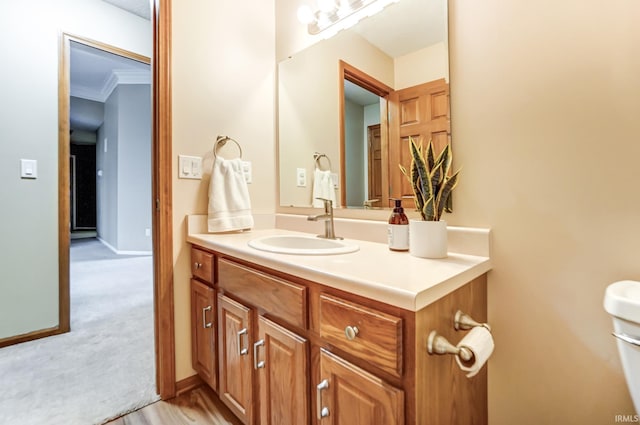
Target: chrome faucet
x,y
329,232
368,203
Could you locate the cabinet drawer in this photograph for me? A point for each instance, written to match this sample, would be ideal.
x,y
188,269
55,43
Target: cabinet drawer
x,y
376,336
279,298
202,265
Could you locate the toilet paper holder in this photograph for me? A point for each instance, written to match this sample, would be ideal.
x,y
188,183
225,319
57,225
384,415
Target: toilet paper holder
x,y
462,321
438,344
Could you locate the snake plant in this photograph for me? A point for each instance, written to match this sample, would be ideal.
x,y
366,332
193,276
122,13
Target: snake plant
x,y
431,179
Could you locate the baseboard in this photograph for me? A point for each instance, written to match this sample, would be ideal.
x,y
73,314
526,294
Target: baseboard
x,y
121,252
188,384
43,333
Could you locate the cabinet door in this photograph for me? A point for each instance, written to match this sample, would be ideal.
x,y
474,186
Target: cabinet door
x,y
203,354
283,375
235,358
348,395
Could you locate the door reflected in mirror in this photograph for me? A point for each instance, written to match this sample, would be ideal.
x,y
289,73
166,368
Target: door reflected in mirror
x,y
358,97
363,137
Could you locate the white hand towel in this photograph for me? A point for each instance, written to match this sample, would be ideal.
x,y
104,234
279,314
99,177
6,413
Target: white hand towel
x,y
322,188
229,203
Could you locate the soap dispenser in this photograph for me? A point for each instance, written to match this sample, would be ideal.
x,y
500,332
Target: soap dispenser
x,y
398,232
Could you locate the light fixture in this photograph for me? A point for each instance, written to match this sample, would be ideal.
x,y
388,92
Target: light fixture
x,y
335,15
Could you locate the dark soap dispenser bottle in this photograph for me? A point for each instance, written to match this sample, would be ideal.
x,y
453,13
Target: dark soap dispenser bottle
x,y
398,233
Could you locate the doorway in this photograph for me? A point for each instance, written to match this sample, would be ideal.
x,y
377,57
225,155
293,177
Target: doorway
x,y
82,176
110,131
110,191
364,137
161,230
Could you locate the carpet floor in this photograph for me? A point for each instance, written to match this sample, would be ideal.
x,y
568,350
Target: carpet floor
x,y
104,367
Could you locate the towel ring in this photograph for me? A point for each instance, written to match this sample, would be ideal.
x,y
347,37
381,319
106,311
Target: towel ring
x,y
317,156
221,141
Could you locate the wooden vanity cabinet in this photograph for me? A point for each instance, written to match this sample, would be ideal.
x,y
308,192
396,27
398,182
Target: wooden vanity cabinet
x,y
350,395
282,363
235,330
263,370
263,365
203,332
295,352
203,316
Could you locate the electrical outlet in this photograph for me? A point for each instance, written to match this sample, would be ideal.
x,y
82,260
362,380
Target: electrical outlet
x,y
301,177
247,171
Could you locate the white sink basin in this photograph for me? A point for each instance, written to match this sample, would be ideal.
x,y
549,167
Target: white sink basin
x,y
622,299
302,245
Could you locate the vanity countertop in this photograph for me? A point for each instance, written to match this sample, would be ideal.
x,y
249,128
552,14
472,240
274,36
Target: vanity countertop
x,y
374,271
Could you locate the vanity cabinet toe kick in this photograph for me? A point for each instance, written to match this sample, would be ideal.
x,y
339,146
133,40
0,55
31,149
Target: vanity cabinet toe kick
x,y
277,348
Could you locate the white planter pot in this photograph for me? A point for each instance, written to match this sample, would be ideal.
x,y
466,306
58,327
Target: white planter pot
x,y
428,239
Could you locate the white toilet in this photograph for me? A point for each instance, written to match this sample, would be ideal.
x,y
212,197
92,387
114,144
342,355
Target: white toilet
x,y
622,302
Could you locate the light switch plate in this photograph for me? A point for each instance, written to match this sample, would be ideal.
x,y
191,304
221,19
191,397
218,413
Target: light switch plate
x,y
189,167
28,168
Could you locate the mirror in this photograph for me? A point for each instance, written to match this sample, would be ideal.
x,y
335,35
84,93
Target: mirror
x,y
340,105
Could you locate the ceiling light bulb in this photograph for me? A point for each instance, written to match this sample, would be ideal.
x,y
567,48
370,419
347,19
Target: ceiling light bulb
x,y
344,9
305,14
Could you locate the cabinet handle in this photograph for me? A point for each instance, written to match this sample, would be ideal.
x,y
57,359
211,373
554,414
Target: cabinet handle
x,y
204,317
257,364
351,332
197,265
323,412
242,351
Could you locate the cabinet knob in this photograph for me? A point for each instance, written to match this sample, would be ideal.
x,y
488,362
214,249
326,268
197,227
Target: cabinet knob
x,y
197,265
351,332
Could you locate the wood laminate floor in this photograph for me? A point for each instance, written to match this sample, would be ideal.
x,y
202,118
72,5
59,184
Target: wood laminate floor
x,y
198,406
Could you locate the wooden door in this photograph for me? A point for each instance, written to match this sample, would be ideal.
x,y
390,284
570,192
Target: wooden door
x,y
374,143
203,329
421,112
235,358
354,396
283,375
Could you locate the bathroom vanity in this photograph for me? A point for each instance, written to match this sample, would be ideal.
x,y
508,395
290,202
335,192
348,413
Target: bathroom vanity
x,y
333,339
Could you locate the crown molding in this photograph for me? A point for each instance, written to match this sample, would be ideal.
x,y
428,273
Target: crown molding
x,y
117,77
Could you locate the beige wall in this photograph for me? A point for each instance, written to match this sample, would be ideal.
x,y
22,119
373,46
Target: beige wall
x,y
545,100
428,64
223,83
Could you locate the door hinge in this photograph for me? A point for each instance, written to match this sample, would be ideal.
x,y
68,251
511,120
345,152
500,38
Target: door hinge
x,y
157,205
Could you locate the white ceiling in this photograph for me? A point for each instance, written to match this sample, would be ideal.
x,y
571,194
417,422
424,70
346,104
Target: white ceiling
x,y
141,8
423,24
358,95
